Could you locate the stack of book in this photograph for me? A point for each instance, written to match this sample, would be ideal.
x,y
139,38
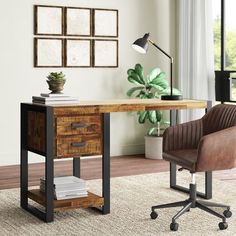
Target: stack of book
x,y
67,187
54,98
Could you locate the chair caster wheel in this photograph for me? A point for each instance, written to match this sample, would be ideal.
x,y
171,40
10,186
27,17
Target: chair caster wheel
x,y
174,226
223,225
153,215
227,213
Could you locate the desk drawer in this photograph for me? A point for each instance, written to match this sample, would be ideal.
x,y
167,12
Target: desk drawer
x,y
78,146
78,125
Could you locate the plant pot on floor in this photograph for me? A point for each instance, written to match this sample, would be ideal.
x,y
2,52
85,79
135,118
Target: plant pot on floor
x,y
153,147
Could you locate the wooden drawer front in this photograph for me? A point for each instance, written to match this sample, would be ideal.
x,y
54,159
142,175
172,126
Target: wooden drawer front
x,y
78,125
78,146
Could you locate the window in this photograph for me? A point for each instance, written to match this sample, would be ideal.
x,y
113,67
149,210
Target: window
x,y
224,49
230,35
217,33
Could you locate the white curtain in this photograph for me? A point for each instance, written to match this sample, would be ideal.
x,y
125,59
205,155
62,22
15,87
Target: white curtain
x,y
195,67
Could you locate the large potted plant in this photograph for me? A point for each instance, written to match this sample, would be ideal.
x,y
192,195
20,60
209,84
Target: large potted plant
x,y
154,85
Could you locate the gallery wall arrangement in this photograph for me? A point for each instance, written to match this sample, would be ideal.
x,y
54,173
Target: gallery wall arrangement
x,y
75,37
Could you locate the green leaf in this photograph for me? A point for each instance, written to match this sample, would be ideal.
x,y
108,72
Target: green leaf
x,y
160,76
164,84
158,116
132,80
137,78
152,117
142,116
139,94
158,87
132,90
160,80
167,91
139,71
153,74
151,131
150,95
143,96
55,76
130,71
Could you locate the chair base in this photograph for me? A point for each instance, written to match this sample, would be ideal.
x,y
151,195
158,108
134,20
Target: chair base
x,y
192,202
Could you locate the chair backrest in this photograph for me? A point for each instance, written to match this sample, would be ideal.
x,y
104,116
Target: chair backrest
x,y
219,117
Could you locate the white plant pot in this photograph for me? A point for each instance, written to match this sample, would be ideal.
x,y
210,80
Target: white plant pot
x,y
153,147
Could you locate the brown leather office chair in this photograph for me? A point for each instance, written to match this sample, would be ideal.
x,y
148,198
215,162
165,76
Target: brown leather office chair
x,y
206,144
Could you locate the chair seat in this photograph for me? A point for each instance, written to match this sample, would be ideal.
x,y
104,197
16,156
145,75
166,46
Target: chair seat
x,y
186,158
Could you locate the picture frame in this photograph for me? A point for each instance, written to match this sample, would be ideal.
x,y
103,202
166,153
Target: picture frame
x,y
78,52
105,23
48,52
48,20
105,53
78,21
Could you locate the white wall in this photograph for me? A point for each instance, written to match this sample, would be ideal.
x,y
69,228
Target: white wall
x,y
20,80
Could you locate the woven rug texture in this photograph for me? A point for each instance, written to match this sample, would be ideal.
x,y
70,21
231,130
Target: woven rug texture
x,y
131,201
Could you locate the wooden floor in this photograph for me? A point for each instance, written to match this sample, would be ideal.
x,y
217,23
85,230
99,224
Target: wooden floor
x,y
91,169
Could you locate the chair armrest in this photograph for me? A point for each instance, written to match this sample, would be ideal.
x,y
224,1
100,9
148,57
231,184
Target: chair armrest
x,y
217,151
182,136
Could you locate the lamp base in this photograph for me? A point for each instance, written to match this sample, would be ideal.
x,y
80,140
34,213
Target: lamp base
x,y
171,97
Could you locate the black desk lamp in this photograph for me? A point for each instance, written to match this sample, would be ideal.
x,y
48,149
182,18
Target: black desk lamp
x,y
141,46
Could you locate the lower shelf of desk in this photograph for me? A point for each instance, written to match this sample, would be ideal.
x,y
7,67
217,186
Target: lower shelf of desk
x,y
92,200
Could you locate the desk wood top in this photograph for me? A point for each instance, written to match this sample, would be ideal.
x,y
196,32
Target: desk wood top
x,y
125,105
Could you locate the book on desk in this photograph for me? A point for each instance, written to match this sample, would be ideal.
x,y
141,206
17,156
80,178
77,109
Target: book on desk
x,y
56,98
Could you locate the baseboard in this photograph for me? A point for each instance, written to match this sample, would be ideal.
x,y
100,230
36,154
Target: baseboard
x,y
131,149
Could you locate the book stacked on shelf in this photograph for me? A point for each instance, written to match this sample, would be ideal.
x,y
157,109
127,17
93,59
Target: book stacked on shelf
x,y
54,98
67,187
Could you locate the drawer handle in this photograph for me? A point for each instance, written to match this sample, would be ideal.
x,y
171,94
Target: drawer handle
x,y
80,144
77,125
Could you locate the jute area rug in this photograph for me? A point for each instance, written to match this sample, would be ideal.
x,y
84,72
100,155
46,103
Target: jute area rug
x,y
131,200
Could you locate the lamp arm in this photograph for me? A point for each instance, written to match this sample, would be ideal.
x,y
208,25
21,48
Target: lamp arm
x,y
171,58
171,64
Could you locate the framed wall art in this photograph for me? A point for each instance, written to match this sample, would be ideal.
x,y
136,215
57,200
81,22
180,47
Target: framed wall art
x,y
78,21
68,36
105,53
48,20
105,23
78,53
48,52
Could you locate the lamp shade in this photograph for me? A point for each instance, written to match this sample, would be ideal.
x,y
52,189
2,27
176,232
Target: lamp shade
x,y
141,44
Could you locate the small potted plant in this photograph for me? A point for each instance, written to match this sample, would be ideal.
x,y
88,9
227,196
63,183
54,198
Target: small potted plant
x,y
154,85
56,81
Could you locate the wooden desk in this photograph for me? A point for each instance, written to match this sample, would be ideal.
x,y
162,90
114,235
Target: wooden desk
x,y
72,131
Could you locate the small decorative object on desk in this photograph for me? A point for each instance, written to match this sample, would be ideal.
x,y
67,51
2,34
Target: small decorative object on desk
x,y
56,81
66,187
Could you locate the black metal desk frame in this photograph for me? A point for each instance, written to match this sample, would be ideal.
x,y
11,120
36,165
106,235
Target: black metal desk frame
x,y
48,214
